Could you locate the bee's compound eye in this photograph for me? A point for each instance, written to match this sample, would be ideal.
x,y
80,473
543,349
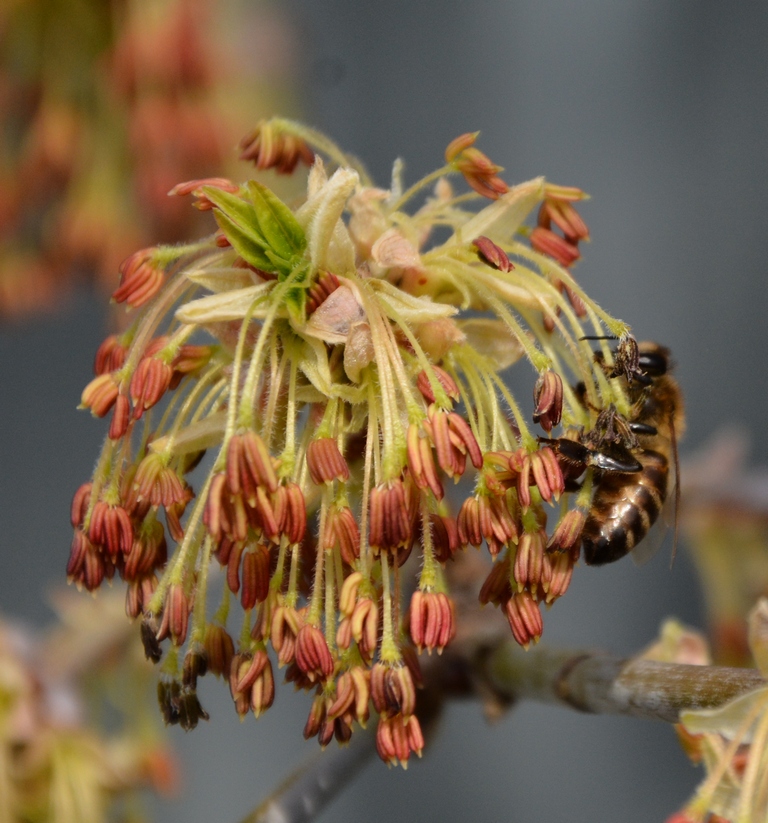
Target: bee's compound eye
x,y
653,363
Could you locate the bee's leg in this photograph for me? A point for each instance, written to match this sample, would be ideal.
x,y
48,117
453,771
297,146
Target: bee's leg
x,y
643,428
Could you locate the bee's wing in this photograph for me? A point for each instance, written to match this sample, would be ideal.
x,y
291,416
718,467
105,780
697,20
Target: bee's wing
x,y
667,519
652,541
674,490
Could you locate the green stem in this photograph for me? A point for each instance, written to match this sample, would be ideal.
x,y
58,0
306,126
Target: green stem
x,y
198,614
388,651
429,571
248,401
419,185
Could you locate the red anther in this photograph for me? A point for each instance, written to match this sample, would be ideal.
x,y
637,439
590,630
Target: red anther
x,y
283,632
156,483
478,170
121,417
141,278
195,188
390,527
421,462
316,719
110,356
325,461
214,516
94,570
220,650
352,695
496,524
269,147
554,246
461,428
492,254
255,587
261,516
468,522
392,689
323,287
449,457
149,551
396,737
520,464
529,560
134,599
458,144
364,626
244,671
111,529
567,219
100,394
313,656
556,583
431,620
80,503
79,547
341,530
496,587
249,466
524,618
552,471
149,383
233,566
445,537
294,525
176,611
446,381
567,533
263,691
189,359
548,397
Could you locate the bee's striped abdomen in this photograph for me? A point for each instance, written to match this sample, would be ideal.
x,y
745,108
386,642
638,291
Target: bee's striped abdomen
x,y
624,507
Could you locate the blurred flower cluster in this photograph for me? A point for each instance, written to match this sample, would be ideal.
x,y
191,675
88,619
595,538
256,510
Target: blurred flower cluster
x,y
342,360
104,105
725,521
730,741
55,765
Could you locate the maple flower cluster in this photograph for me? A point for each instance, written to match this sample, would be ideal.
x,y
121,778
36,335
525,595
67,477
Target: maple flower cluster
x,y
338,366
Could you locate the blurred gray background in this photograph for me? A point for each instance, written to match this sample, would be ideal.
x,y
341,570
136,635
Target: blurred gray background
x,y
660,111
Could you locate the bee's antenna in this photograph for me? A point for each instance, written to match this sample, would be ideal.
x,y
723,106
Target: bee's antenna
x,y
599,337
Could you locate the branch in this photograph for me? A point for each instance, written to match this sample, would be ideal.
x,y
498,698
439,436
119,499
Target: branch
x,y
602,684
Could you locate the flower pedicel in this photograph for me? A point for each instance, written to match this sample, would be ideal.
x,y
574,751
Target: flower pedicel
x,y
340,368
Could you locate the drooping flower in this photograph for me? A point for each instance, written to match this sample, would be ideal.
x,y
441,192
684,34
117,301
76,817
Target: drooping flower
x,y
327,357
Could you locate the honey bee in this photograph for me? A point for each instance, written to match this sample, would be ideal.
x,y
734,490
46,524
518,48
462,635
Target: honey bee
x,y
635,459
